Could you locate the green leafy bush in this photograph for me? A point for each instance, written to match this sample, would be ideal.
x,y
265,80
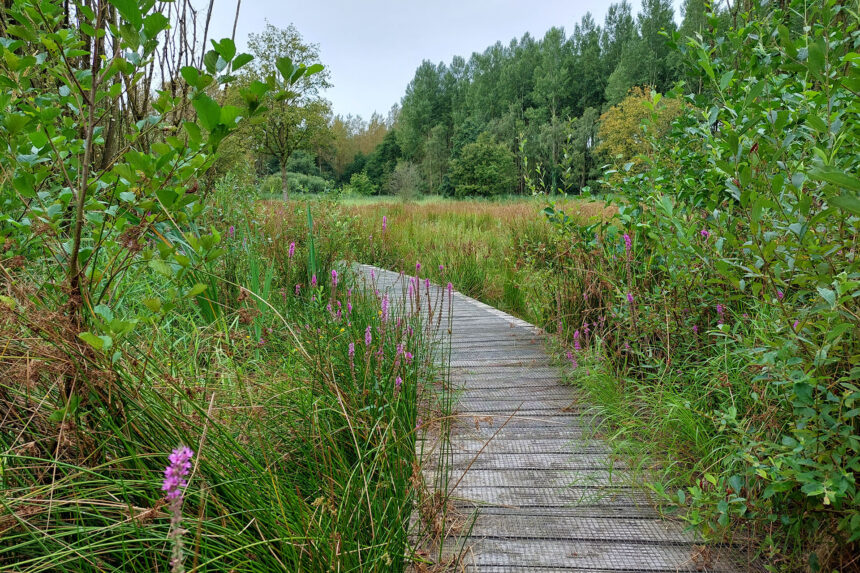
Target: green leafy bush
x,y
483,168
729,283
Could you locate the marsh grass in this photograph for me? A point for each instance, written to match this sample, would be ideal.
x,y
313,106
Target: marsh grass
x,y
305,455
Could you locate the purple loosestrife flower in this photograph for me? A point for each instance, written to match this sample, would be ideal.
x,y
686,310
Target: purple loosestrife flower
x,y
630,297
385,308
298,289
576,344
695,329
450,288
372,275
572,359
780,295
333,278
368,336
796,324
720,314
418,267
441,268
408,356
384,223
427,284
351,350
397,384
348,307
231,231
174,482
705,233
628,245
313,280
292,250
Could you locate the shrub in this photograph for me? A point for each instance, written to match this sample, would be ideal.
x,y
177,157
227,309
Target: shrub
x,y
405,181
729,284
361,184
483,168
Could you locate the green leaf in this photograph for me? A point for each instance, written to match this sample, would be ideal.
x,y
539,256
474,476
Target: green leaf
x,y
816,57
191,75
241,60
154,24
91,339
195,290
193,131
208,111
226,48
835,176
210,60
314,69
285,66
847,202
130,12
229,114
828,295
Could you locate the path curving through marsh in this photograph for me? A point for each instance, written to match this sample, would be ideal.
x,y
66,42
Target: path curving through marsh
x,y
546,495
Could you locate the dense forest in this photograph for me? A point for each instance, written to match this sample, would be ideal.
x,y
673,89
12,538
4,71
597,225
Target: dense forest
x,y
479,126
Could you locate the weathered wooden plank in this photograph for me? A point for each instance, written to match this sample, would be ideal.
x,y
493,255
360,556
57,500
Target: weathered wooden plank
x,y
545,493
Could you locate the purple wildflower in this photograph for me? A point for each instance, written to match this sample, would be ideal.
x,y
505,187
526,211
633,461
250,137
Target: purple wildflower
x,y
441,268
450,288
408,356
721,311
385,308
576,344
397,383
314,280
351,349
333,278
417,267
231,231
780,295
384,223
427,283
298,288
292,250
630,297
705,233
628,244
368,336
695,329
796,324
174,481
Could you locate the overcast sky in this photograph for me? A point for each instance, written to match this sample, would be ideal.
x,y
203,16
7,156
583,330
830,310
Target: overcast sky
x,y
372,47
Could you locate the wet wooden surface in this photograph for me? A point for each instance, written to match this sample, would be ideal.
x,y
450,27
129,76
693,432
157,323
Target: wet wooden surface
x,y
548,496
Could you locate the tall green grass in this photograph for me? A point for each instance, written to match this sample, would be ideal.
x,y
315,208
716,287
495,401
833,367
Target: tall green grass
x,y
304,454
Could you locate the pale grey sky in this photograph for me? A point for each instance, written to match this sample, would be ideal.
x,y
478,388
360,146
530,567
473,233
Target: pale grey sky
x,y
372,47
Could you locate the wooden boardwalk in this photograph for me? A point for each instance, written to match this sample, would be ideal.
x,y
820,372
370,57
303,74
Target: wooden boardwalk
x,y
547,496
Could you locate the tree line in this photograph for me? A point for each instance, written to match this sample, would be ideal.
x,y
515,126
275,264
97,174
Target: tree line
x,y
553,110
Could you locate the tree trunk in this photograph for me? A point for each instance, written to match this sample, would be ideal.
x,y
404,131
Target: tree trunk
x,y
285,183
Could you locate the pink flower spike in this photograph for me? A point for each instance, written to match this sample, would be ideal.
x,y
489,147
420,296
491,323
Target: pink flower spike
x,y
384,222
292,249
